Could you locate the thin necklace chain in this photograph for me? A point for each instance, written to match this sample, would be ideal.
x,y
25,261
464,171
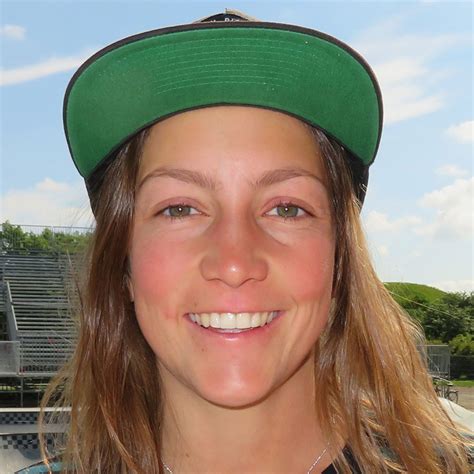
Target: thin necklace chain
x,y
309,470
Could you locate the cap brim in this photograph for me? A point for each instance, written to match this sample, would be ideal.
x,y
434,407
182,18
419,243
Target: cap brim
x,y
145,78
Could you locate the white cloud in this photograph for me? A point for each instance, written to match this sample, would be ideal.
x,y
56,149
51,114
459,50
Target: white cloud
x,y
14,32
48,202
51,66
454,210
48,185
453,218
402,63
415,46
382,250
455,285
406,101
462,132
452,170
379,222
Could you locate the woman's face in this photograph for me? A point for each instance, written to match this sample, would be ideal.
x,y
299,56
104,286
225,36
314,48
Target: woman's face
x,y
227,244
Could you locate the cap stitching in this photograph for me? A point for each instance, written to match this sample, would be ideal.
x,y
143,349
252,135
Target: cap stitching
x,y
246,42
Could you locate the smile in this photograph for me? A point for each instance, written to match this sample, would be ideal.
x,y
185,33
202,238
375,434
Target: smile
x,y
233,320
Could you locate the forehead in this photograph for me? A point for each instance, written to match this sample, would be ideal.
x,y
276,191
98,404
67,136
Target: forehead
x,y
231,139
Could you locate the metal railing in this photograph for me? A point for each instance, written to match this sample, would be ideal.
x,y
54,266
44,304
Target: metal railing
x,y
9,358
439,359
10,311
32,352
43,353
56,229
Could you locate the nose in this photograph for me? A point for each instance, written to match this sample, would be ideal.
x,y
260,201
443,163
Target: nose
x,y
234,253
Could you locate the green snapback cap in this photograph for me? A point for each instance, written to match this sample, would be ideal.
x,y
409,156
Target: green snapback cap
x,y
224,59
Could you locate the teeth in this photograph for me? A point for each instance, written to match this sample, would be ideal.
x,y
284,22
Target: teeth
x,y
255,322
227,321
233,320
215,320
242,321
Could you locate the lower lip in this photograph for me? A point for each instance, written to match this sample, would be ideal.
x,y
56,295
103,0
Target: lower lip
x,y
258,332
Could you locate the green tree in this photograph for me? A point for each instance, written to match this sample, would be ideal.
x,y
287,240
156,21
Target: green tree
x,y
462,344
444,318
415,307
449,317
14,239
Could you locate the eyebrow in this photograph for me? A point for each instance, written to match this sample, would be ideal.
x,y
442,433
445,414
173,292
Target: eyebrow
x,y
205,181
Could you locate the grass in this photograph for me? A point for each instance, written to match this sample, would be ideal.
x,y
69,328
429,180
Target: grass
x,y
409,290
463,383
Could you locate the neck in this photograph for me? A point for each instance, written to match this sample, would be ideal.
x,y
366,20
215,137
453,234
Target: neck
x,y
277,434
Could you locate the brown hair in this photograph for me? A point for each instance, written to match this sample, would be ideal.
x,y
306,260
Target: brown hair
x,y
376,388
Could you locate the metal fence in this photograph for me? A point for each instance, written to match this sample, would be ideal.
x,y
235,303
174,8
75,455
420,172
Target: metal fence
x,y
56,229
9,357
20,359
439,359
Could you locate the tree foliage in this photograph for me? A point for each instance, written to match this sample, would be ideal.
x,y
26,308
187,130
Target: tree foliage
x,y
448,317
415,307
462,344
14,239
442,321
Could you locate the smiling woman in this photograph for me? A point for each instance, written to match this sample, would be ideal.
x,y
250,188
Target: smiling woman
x,y
231,320
237,258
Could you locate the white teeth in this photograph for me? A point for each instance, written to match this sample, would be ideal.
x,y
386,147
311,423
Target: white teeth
x,y
243,321
215,320
255,322
233,320
228,321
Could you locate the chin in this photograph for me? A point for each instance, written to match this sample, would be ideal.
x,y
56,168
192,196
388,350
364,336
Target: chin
x,y
244,399
234,393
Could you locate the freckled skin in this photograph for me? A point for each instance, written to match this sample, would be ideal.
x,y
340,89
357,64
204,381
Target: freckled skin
x,y
234,247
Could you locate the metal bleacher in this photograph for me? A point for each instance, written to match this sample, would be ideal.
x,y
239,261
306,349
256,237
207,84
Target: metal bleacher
x,y
37,304
38,311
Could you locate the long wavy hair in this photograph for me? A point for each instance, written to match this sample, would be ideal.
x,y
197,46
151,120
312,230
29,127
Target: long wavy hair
x,y
376,396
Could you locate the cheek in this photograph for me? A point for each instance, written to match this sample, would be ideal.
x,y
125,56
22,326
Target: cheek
x,y
161,267
158,270
309,271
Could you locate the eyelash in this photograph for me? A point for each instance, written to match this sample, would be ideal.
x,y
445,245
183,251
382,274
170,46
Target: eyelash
x,y
279,204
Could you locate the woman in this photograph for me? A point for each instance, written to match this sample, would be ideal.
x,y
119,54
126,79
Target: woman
x,y
231,320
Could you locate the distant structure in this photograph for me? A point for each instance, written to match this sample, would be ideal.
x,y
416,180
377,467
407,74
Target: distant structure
x,y
37,328
439,360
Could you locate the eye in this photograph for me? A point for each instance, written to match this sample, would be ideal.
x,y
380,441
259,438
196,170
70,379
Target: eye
x,y
176,211
181,211
290,210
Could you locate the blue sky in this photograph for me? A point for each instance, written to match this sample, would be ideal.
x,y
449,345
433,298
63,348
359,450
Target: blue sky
x,y
418,213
